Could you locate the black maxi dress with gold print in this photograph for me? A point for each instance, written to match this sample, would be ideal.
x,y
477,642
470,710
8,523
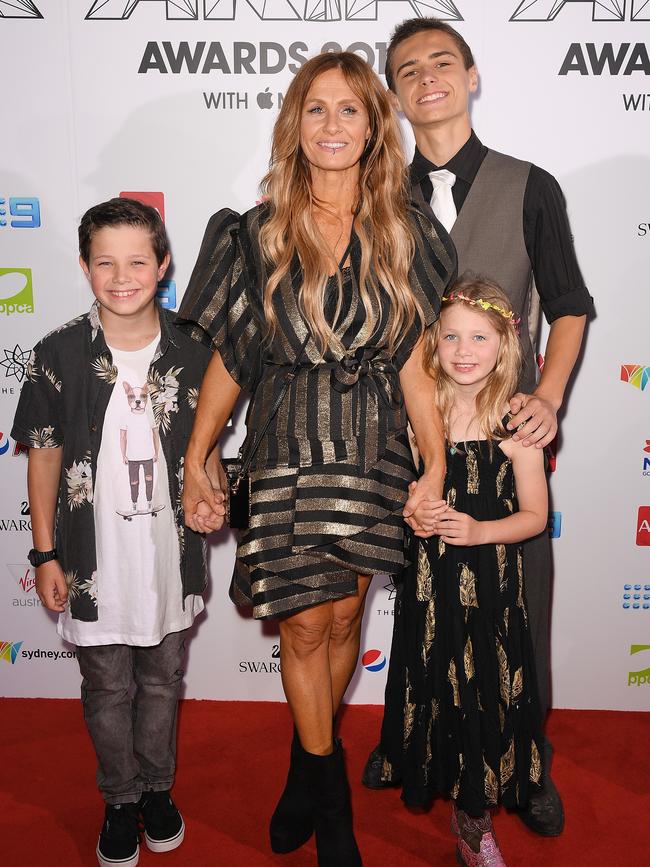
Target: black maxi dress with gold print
x,y
330,478
462,715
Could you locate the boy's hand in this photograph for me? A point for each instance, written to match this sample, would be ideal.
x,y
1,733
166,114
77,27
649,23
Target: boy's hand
x,y
422,507
535,416
457,528
198,492
51,586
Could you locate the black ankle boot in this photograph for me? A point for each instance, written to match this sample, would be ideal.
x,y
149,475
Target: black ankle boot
x,y
292,823
330,794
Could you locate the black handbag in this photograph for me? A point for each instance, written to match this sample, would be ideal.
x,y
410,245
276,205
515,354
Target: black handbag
x,y
238,481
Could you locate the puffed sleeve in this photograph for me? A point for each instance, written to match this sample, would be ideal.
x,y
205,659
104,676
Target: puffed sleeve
x,y
216,307
433,269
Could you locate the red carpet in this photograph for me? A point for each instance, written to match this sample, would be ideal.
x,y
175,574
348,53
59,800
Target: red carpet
x,y
232,761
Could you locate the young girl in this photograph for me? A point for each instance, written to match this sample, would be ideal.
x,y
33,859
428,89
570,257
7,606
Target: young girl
x,y
465,719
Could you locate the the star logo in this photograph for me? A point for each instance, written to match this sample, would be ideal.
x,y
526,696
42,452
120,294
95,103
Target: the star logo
x,y
392,590
15,362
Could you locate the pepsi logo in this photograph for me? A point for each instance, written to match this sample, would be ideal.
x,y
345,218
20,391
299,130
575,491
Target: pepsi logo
x,y
373,660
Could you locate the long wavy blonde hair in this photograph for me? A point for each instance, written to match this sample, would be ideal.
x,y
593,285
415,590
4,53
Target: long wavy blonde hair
x,y
502,382
381,220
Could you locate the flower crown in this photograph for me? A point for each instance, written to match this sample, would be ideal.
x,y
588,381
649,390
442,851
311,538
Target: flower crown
x,y
485,305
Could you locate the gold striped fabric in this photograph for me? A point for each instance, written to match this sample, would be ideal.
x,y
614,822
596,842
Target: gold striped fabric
x,y
330,478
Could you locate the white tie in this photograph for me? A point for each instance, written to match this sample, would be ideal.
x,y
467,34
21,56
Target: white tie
x,y
442,200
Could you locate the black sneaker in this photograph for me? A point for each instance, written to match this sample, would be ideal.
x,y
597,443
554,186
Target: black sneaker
x,y
164,828
119,839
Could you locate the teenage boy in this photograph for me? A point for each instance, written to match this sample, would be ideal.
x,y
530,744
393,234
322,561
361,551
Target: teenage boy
x,y
508,221
109,401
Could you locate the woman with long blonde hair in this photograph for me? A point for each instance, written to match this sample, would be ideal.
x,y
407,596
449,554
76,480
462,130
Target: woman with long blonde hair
x,y
328,286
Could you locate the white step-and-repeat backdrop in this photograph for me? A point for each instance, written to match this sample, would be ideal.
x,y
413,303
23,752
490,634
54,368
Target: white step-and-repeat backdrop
x,y
174,102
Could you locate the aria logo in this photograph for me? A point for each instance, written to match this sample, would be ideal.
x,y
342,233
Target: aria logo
x,y
601,10
271,10
18,9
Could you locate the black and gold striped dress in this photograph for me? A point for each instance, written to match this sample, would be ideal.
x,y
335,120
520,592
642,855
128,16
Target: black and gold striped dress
x,y
330,478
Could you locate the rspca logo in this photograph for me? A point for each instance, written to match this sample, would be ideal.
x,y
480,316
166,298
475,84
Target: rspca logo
x,y
642,677
373,660
16,291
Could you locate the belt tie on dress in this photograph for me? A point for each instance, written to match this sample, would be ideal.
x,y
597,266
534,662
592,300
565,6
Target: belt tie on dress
x,y
379,385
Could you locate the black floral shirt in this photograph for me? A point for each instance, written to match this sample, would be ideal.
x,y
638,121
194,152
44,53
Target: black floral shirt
x,y
70,378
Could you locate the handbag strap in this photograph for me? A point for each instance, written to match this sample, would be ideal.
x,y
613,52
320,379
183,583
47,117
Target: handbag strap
x,y
288,379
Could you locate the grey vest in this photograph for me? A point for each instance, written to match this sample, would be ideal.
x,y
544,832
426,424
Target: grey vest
x,y
489,239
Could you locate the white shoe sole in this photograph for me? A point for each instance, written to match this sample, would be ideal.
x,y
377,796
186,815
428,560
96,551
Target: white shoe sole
x,y
120,862
165,845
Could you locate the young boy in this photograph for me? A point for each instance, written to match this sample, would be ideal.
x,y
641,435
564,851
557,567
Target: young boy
x,y
109,401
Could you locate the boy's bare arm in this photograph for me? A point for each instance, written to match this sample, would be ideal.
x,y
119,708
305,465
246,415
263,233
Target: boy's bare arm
x,y
43,476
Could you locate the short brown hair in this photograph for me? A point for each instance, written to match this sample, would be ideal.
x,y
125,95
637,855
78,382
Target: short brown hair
x,y
123,212
411,27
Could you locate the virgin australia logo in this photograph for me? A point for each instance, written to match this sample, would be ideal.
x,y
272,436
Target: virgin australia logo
x,y
271,10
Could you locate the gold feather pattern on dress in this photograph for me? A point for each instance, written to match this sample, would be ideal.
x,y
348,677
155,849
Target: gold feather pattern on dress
x,y
386,771
441,547
506,618
517,684
468,660
502,718
508,763
535,764
503,469
501,563
451,497
429,629
467,585
452,677
491,784
461,768
504,674
423,588
472,472
508,504
409,712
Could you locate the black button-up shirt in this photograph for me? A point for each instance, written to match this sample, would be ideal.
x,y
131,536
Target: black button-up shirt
x,y
62,404
547,234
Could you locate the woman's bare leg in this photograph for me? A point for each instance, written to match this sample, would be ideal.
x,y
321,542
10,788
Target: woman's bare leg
x,y
345,637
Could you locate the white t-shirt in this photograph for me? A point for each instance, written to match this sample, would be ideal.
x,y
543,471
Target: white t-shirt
x,y
140,596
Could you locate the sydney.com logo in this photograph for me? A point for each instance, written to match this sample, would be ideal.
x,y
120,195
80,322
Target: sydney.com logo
x,y
16,291
636,374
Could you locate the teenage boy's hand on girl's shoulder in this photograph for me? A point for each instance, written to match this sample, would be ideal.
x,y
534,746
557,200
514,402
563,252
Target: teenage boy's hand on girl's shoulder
x,y
51,586
533,418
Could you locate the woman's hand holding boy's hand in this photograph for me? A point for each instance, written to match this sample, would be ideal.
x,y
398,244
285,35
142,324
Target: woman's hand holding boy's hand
x,y
51,586
457,528
203,505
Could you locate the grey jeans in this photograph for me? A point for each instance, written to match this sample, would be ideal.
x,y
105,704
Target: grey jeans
x,y
130,701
